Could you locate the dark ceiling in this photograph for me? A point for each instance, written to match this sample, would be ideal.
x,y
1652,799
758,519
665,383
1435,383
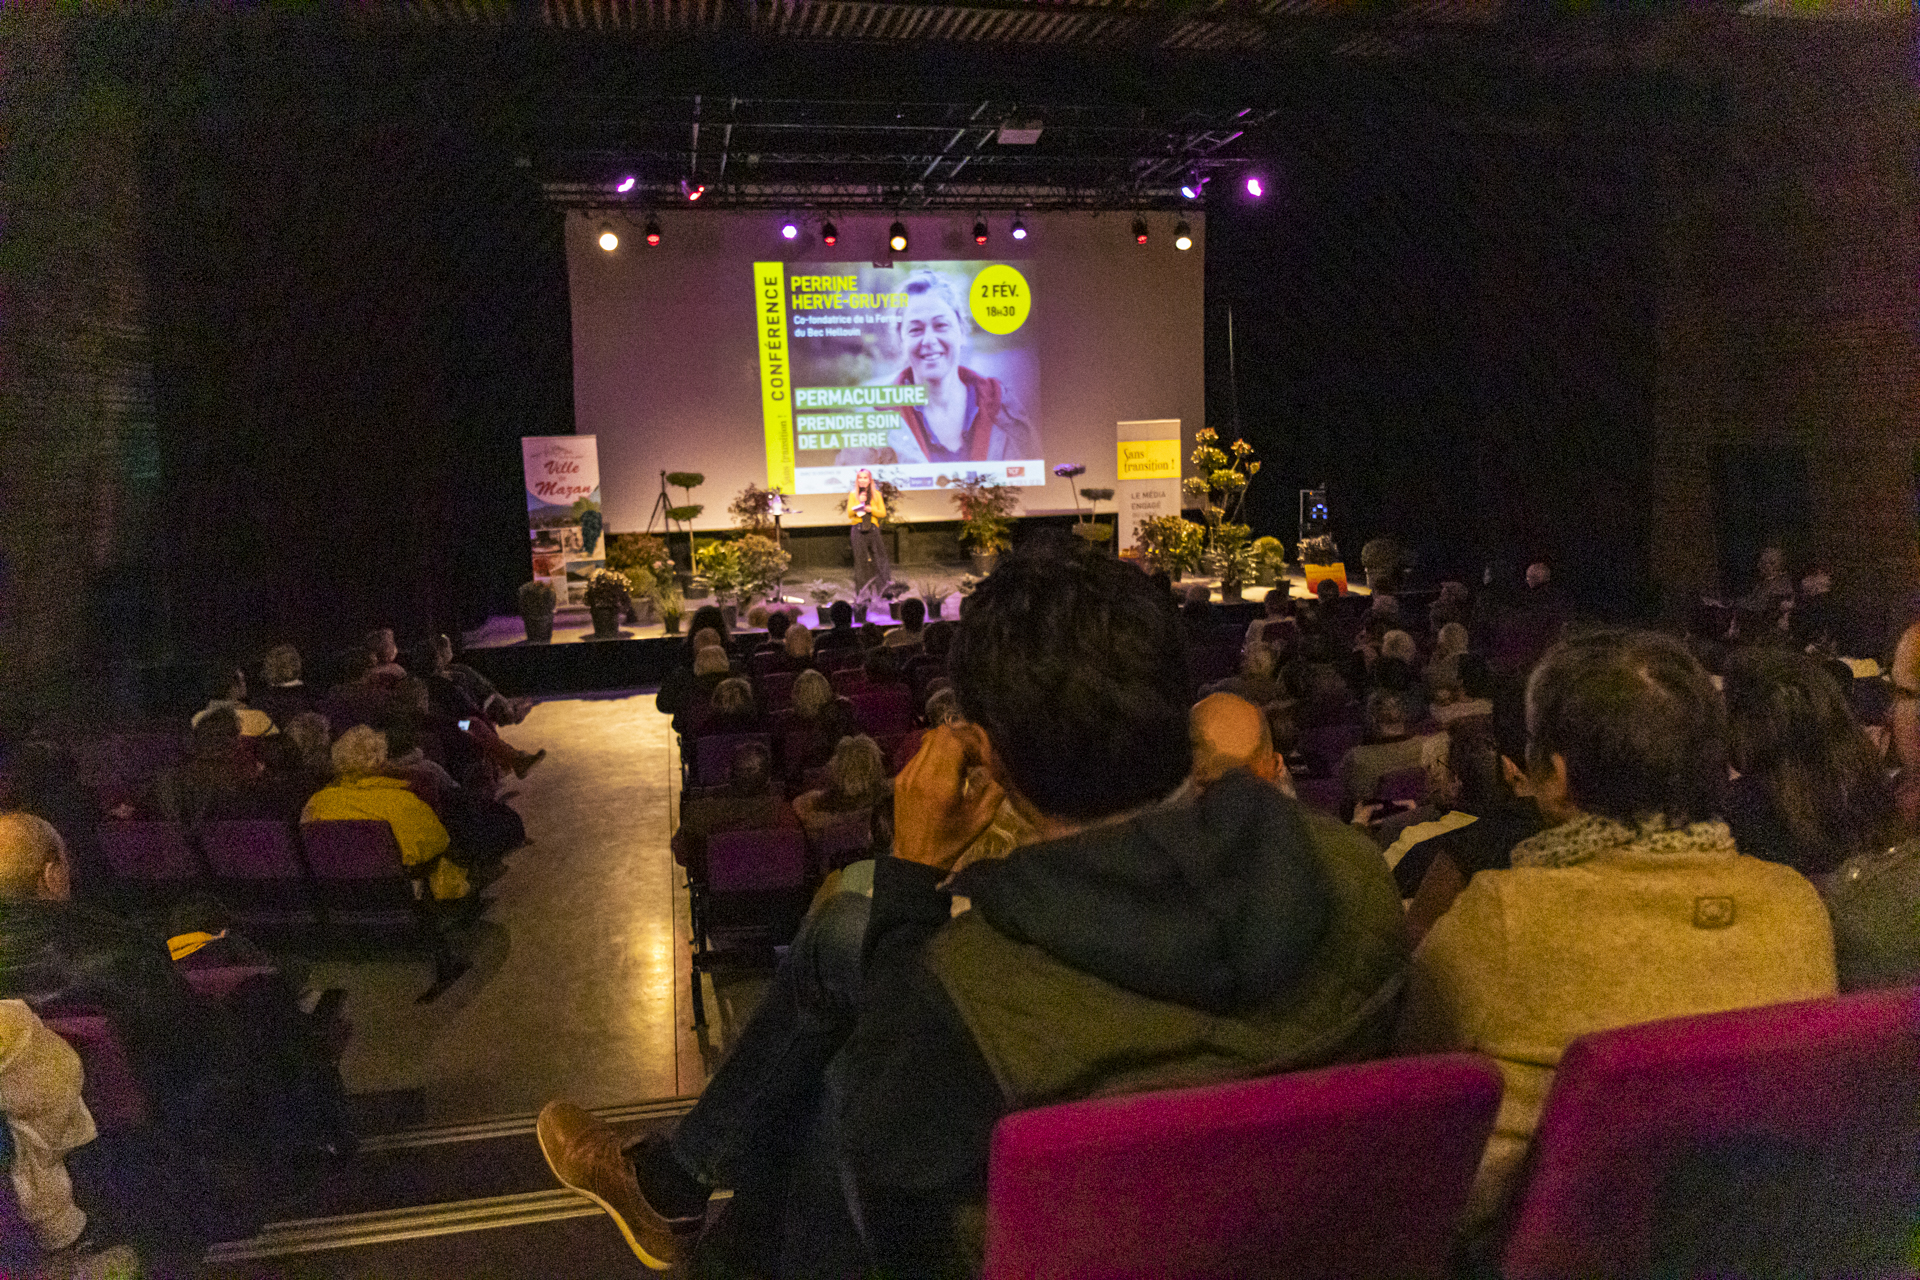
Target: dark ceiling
x,y
886,103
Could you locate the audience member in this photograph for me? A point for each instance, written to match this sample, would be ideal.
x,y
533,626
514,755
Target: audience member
x,y
385,654
711,617
1811,792
1255,682
284,694
857,782
1277,607
41,1108
911,633
1063,979
363,789
1389,747
219,769
227,691
731,709
1637,906
797,648
820,720
841,635
748,802
1452,605
479,690
1462,688
778,623
885,668
363,695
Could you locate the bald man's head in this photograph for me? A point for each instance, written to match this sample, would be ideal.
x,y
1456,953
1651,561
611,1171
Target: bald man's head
x,y
33,860
1230,733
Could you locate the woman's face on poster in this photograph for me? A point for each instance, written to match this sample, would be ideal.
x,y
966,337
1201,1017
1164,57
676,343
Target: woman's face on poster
x,y
932,335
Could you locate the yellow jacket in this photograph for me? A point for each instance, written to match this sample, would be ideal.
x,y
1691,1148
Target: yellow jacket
x,y
878,504
415,828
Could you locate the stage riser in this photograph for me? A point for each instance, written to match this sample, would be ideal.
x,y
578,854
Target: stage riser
x,y
585,667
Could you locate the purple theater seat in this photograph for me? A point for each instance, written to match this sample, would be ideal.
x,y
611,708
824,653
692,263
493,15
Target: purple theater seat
x,y
1839,1078
109,1088
352,849
1350,1171
759,861
845,839
883,712
218,982
713,755
253,849
778,688
152,851
850,681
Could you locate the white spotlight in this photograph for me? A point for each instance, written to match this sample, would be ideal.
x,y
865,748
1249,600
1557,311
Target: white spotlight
x,y
608,240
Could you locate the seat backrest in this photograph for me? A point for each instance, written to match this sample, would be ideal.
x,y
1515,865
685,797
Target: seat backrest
x,y
1323,794
850,680
778,687
760,861
845,839
883,711
902,748
1402,784
148,850
217,982
1629,1109
109,1087
252,849
1331,741
352,849
713,755
1349,1171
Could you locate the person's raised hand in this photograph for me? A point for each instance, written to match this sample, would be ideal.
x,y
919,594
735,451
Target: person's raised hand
x,y
942,800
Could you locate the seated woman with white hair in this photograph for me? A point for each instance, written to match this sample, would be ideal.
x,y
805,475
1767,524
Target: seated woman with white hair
x,y
364,789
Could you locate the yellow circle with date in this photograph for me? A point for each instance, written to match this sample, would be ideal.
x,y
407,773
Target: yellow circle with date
x,y
999,298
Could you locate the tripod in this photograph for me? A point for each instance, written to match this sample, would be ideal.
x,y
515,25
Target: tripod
x,y
663,512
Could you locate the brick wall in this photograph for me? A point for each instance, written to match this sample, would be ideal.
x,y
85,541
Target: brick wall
x,y
1788,311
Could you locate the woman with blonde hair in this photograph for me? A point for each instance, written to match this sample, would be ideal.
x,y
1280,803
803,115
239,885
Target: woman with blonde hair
x,y
857,783
797,647
363,789
818,723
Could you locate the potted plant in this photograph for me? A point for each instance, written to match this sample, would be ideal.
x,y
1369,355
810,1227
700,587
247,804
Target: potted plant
x,y
671,604
1233,559
752,510
892,593
761,564
1269,560
537,603
635,554
933,593
863,601
1320,558
719,563
986,529
1221,485
608,591
1090,529
1171,544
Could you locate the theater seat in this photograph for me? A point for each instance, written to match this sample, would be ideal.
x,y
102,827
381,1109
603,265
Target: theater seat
x,y
1778,1140
1353,1171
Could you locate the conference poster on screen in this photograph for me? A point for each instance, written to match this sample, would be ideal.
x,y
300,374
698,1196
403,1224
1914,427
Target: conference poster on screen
x,y
925,373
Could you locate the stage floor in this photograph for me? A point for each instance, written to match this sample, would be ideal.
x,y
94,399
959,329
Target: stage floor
x,y
573,626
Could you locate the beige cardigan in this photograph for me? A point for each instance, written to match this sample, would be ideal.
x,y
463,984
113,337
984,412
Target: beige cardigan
x,y
1529,959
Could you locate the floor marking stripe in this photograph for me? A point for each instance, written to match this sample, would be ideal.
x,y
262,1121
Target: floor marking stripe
x,y
516,1126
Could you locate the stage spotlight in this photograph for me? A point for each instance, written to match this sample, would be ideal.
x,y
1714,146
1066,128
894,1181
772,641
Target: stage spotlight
x,y
608,240
1183,237
653,234
829,234
789,230
1255,187
1139,230
626,184
1019,228
980,232
692,190
897,237
1190,190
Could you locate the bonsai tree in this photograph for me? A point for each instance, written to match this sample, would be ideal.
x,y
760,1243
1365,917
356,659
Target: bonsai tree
x,y
608,588
761,563
689,511
985,526
1222,483
1171,544
537,599
1091,529
750,509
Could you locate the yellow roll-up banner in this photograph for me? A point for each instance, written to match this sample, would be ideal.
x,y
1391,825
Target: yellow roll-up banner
x,y
776,371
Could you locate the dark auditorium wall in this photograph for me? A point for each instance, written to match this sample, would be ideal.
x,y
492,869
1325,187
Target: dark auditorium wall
x,y
1789,318
360,308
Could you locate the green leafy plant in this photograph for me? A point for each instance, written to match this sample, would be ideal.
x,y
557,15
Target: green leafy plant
x,y
1172,544
719,563
1319,550
762,562
1221,485
668,600
1269,558
608,587
931,589
1232,555
890,495
537,599
985,514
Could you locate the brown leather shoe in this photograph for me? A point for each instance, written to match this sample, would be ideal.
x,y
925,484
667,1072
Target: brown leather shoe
x,y
585,1155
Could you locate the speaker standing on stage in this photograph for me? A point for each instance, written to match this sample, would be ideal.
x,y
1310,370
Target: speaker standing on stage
x,y
866,505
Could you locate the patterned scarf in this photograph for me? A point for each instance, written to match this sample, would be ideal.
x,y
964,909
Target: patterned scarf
x,y
1572,843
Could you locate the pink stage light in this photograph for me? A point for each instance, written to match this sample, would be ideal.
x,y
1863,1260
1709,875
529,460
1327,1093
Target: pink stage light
x,y
626,184
789,231
1255,189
